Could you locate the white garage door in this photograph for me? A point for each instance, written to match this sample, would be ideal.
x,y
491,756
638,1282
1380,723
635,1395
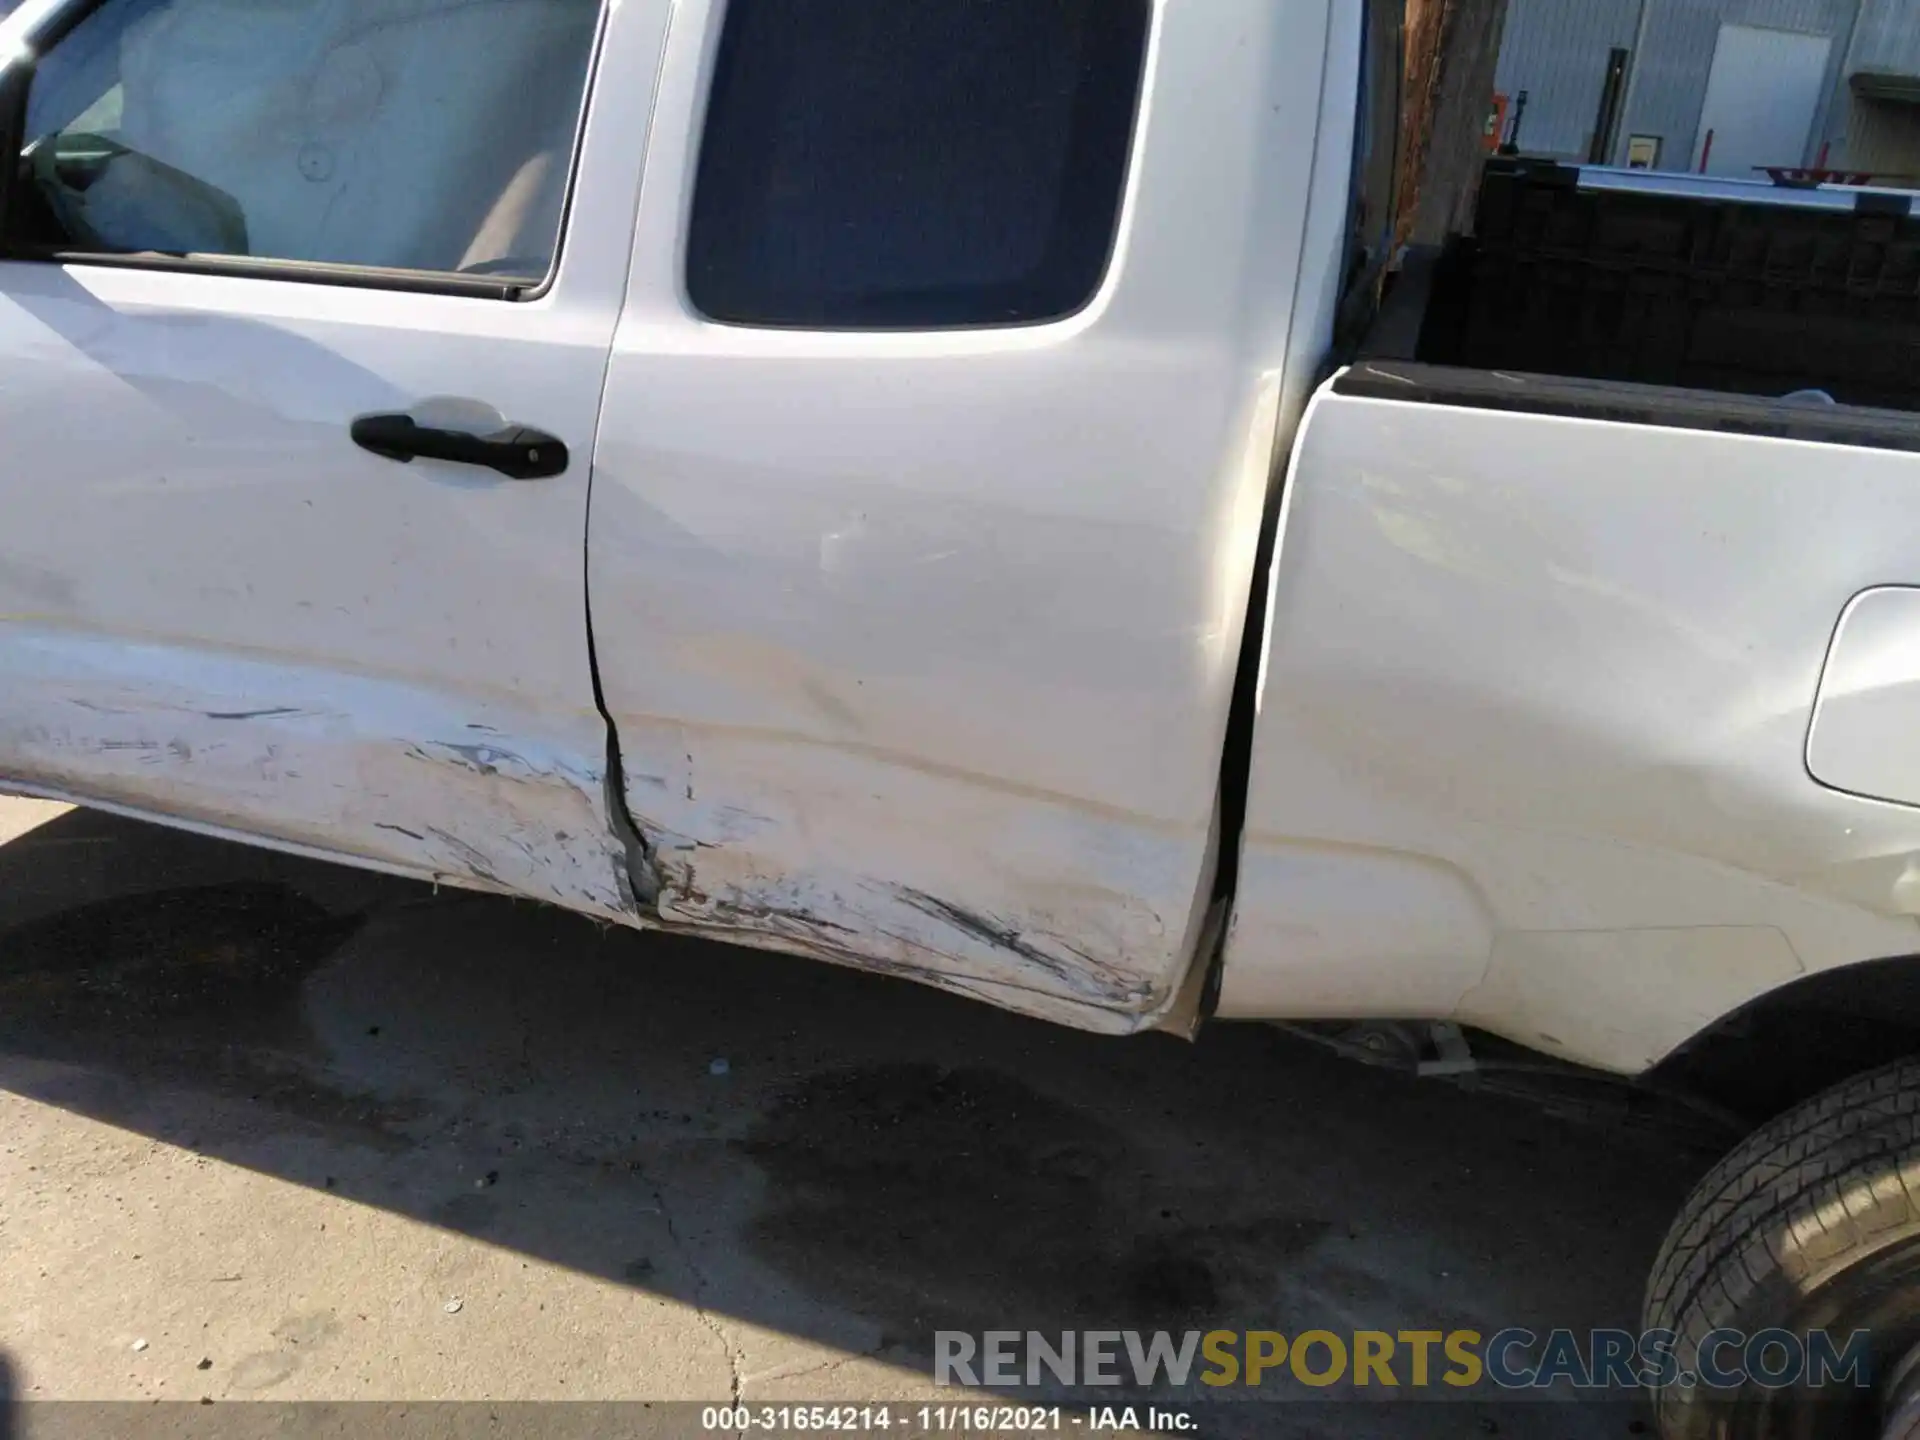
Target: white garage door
x,y
1762,96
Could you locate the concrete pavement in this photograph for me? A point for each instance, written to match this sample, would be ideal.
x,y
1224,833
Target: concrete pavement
x,y
275,1130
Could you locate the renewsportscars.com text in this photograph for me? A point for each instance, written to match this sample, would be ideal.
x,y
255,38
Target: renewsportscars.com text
x,y
1511,1359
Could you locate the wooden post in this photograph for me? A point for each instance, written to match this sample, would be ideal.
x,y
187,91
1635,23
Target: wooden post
x,y
1452,49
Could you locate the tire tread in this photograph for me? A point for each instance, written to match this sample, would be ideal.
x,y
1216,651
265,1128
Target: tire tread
x,y
1834,1178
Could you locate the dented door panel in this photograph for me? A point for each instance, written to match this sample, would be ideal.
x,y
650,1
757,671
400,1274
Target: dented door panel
x,y
920,646
217,610
1532,750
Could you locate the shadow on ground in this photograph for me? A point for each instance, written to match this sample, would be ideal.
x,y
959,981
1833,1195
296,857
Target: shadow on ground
x,y
853,1160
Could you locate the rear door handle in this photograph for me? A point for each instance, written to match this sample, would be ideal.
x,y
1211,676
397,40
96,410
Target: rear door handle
x,y
518,452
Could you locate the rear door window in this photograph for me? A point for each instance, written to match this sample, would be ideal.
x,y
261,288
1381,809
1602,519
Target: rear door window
x,y
914,164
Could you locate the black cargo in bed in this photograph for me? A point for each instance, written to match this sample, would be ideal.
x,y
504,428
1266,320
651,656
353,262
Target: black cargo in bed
x,y
1668,280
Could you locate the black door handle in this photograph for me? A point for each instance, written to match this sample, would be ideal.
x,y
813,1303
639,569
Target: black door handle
x,y
518,452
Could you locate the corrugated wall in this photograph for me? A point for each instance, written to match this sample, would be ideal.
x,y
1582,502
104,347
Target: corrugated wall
x,y
1677,54
1556,50
1880,136
1888,37
1670,74
1885,140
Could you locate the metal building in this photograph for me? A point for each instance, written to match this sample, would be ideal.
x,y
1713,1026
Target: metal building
x,y
1882,102
1721,86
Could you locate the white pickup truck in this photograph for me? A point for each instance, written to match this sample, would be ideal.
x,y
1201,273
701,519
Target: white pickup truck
x,y
923,486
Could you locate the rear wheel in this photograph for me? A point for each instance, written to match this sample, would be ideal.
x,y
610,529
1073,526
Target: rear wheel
x,y
1812,1227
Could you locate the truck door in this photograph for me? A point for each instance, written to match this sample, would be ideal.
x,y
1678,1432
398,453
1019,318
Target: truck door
x,y
299,377
939,425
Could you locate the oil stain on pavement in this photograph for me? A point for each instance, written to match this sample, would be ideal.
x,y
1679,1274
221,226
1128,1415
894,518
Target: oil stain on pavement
x,y
949,1199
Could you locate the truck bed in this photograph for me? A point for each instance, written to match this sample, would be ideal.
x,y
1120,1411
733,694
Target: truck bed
x,y
1739,287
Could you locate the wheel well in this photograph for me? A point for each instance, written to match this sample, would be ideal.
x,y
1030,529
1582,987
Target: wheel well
x,y
1802,1038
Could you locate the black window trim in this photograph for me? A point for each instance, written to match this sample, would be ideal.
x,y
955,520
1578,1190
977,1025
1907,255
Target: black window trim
x,y
1631,403
1122,209
17,83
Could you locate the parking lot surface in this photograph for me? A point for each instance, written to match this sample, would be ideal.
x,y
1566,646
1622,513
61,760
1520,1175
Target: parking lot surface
x,y
276,1131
